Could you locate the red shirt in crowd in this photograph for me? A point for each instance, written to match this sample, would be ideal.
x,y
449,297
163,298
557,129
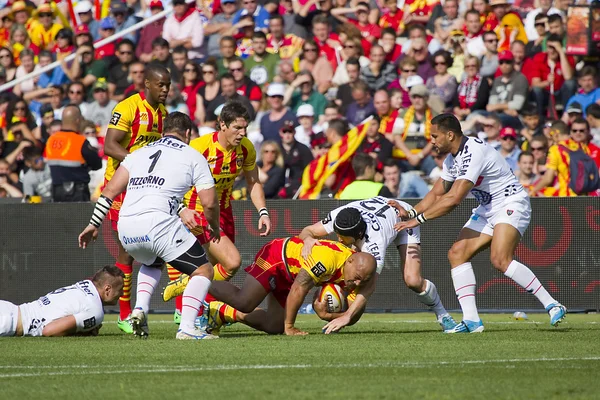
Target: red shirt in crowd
x,y
328,51
189,96
538,68
394,55
369,32
388,20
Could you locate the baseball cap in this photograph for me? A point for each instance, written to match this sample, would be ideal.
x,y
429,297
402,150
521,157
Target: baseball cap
x,y
419,90
227,1
157,4
275,89
305,110
82,30
508,131
414,80
288,126
83,7
45,8
574,108
498,2
118,7
107,23
506,55
100,85
46,109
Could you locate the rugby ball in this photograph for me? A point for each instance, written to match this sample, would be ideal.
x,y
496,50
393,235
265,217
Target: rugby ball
x,y
334,297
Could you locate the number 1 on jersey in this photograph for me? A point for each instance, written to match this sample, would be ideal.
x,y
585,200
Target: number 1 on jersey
x,y
154,157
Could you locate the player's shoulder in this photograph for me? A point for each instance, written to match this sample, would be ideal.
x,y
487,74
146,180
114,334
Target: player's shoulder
x,y
202,143
331,246
247,144
132,101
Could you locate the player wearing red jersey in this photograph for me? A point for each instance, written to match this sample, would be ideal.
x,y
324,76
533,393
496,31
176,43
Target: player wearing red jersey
x,y
136,122
229,153
280,272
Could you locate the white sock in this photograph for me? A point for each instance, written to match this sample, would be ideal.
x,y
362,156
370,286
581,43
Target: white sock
x,y
464,286
194,294
528,281
148,279
431,299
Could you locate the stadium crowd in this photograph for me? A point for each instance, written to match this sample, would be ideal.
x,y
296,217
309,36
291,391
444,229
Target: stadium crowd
x,y
309,72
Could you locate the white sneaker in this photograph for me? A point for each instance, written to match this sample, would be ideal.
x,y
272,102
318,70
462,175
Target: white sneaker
x,y
139,323
194,334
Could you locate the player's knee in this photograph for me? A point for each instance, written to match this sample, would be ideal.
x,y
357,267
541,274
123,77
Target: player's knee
x,y
233,263
414,282
205,270
456,254
500,261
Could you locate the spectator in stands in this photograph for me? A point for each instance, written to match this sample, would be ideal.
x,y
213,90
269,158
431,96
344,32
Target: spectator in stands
x,y
418,31
407,68
83,36
261,65
544,10
489,61
557,164
189,85
418,51
364,186
352,51
392,50
143,50
136,76
220,25
534,46
306,14
332,111
271,173
593,118
272,121
185,28
376,145
436,172
243,84
175,101
413,137
107,29
370,32
473,92
532,125
362,106
518,49
7,62
76,96
510,27
317,65
286,45
207,93
306,129
47,117
509,92
379,74
228,93
442,83
37,181
301,92
122,20
7,189
474,35
296,155
556,26
100,110
327,42
550,74
244,30
508,146
179,57
572,112
27,66
589,93
84,10
386,113
260,15
451,20
227,49
524,172
19,40
344,92
118,74
162,56
57,95
20,123
43,34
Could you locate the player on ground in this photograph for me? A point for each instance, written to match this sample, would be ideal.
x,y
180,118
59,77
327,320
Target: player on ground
x,y
229,153
499,222
71,310
157,177
280,273
136,122
369,226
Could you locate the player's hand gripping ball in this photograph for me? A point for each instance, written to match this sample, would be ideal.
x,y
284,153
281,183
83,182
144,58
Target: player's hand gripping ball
x,y
334,297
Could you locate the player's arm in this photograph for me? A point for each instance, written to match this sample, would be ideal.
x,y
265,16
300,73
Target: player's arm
x,y
64,326
112,145
257,195
300,288
210,205
310,236
356,309
440,187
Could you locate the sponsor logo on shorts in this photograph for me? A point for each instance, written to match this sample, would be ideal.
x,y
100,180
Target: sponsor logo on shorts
x,y
136,239
272,283
318,269
509,212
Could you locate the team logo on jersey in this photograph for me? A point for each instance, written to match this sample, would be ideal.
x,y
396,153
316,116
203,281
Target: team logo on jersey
x,y
509,212
238,162
318,269
143,118
116,117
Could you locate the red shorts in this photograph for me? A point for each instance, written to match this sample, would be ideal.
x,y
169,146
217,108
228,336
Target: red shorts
x,y
270,271
113,213
225,223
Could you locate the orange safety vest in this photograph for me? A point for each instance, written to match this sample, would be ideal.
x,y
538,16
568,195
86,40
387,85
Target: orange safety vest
x,y
64,149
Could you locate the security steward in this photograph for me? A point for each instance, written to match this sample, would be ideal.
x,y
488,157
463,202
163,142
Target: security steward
x,y
71,157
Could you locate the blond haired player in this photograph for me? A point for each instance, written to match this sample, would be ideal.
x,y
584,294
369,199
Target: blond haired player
x,y
229,153
284,277
136,122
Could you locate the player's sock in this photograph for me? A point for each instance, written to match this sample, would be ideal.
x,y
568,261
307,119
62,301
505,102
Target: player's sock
x,y
464,286
193,295
220,274
226,313
148,279
125,300
528,281
174,275
431,298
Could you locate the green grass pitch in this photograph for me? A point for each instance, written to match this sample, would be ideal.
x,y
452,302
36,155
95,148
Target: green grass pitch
x,y
385,356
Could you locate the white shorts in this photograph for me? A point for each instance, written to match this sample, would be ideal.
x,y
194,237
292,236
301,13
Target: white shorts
x,y
408,236
9,317
147,237
516,212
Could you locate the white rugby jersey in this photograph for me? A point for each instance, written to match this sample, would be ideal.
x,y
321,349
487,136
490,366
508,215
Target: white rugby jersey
x,y
380,219
80,300
487,169
160,174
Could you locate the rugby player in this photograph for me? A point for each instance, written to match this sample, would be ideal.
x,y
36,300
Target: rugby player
x,y
71,310
150,229
136,122
368,225
502,217
280,274
229,153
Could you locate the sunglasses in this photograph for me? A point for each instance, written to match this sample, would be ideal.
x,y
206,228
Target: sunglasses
x,y
75,92
491,41
43,15
541,24
137,72
287,131
189,70
208,72
509,138
236,69
125,52
347,46
5,56
578,131
309,50
408,71
20,109
440,63
505,62
537,148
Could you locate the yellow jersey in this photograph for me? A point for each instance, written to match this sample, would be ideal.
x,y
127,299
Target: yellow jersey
x,y
225,166
142,123
559,160
325,264
42,38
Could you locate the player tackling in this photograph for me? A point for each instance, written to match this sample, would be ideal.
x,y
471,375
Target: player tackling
x,y
368,225
70,310
502,217
151,221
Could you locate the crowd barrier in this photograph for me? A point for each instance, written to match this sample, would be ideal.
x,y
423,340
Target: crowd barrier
x,y
39,252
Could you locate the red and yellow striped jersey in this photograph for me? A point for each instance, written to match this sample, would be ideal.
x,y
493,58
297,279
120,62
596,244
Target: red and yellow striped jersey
x,y
142,123
225,166
325,264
